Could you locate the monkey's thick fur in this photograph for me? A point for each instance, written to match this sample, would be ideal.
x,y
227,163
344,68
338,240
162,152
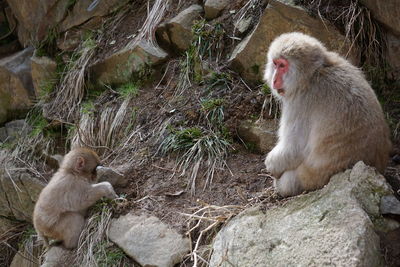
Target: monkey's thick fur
x,y
62,204
331,117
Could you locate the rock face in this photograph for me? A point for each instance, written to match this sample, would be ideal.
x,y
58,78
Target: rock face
x,y
386,12
177,33
212,8
249,57
333,226
43,74
148,241
35,25
119,67
111,176
14,129
18,194
261,134
16,87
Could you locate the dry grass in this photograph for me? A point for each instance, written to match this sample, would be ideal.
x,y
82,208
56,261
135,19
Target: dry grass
x,y
154,17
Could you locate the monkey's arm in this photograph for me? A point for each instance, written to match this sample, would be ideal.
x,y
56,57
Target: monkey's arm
x,y
281,158
89,195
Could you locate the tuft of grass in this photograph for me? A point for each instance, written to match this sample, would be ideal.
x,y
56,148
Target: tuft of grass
x,y
218,79
128,90
214,111
196,148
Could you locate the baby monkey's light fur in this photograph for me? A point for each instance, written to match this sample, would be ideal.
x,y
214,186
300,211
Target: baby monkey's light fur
x,y
330,117
62,204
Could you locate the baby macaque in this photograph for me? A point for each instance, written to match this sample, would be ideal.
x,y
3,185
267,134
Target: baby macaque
x,y
60,211
331,117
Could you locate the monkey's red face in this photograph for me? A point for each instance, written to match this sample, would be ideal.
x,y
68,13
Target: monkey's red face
x,y
281,67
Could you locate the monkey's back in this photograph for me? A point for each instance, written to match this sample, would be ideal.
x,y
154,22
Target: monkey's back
x,y
348,124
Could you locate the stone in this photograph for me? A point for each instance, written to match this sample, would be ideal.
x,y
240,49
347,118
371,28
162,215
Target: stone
x,y
16,87
16,129
281,16
243,25
390,205
85,10
212,8
177,32
19,192
334,226
27,257
106,174
57,256
261,134
34,26
119,67
386,12
393,55
44,74
148,241
3,134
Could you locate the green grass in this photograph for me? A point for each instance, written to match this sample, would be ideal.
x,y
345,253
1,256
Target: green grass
x,y
130,89
214,111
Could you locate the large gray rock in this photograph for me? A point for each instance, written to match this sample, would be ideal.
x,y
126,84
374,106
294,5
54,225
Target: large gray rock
x,y
44,74
249,56
177,32
386,12
119,67
148,241
261,134
393,55
212,8
333,226
16,87
19,192
106,174
57,256
37,17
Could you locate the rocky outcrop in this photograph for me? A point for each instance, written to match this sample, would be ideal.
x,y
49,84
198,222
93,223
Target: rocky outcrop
x,y
111,176
333,226
260,135
85,10
386,12
16,87
212,8
281,16
43,74
148,241
119,67
18,193
37,17
177,33
13,130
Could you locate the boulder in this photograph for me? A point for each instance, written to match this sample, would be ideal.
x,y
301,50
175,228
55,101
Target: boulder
x,y
177,33
44,74
261,134
18,193
212,8
85,10
16,87
148,241
109,175
390,205
393,55
13,130
27,257
281,16
119,67
36,18
386,12
57,256
334,226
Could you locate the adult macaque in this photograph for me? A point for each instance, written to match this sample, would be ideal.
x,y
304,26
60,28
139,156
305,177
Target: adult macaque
x,y
330,117
62,204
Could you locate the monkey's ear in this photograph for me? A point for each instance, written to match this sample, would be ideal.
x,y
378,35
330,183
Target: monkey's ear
x,y
80,163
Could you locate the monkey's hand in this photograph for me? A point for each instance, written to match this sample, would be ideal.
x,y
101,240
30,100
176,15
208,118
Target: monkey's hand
x,y
110,193
273,163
